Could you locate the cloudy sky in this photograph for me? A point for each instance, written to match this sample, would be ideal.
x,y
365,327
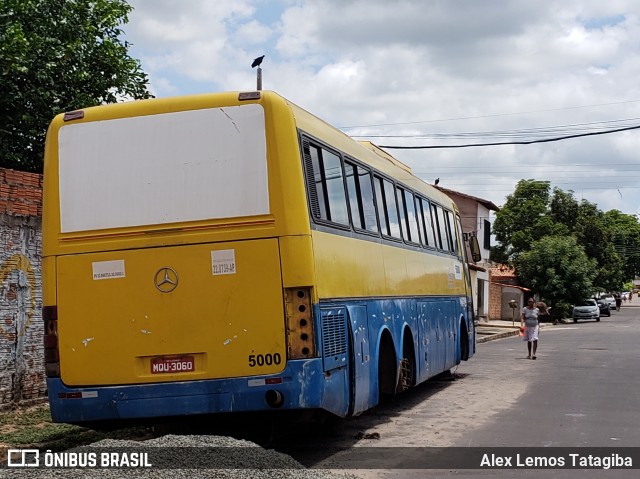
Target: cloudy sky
x,y
430,73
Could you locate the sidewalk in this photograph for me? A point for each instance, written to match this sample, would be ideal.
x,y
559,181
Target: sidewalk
x,y
501,328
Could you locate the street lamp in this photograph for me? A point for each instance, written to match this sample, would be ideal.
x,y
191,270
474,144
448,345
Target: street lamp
x,y
513,305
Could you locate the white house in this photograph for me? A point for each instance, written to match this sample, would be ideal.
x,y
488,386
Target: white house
x,y
474,216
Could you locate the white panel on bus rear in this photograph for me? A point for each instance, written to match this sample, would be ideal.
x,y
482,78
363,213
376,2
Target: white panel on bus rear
x,y
165,168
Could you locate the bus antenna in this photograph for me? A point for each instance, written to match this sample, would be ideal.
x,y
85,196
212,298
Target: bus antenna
x,y
256,63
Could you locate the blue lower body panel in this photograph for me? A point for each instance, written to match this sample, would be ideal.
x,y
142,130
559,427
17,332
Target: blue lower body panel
x,y
434,333
302,387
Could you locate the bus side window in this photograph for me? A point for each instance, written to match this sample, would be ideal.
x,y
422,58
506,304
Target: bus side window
x,y
368,206
443,227
392,209
382,210
460,237
321,207
408,221
439,228
453,237
363,211
329,185
352,191
403,214
426,223
335,188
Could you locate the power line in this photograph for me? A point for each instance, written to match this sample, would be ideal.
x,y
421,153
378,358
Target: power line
x,y
546,130
488,116
524,142
542,165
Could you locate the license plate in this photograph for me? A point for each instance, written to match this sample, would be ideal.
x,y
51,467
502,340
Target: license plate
x,y
163,365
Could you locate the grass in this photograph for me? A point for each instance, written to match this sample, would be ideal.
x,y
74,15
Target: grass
x,y
32,427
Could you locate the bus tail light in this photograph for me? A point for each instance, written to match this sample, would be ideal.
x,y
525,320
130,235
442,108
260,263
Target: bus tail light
x,y
51,353
301,342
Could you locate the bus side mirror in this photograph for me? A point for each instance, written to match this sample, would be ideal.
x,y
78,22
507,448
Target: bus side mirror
x,y
474,246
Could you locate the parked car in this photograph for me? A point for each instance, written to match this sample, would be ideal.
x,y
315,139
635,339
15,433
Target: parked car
x,y
604,307
586,310
611,300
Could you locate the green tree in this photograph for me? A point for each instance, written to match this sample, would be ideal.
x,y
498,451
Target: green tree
x,y
55,56
522,220
594,234
559,270
626,241
532,213
564,208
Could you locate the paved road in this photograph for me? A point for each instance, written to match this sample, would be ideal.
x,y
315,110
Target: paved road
x,y
582,391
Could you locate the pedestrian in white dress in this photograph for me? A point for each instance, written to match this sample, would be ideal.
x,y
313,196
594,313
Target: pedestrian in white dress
x,y
529,321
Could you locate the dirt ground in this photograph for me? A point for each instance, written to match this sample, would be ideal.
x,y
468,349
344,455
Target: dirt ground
x,y
444,411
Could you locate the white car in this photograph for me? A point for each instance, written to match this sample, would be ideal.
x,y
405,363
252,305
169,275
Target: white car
x,y
611,300
588,309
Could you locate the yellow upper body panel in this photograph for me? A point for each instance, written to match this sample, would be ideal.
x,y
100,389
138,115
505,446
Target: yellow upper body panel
x,y
350,268
138,179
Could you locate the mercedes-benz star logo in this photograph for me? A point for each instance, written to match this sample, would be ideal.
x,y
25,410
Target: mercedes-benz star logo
x,y
166,280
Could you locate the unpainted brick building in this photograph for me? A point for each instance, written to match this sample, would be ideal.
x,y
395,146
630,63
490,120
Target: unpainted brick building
x,y
22,375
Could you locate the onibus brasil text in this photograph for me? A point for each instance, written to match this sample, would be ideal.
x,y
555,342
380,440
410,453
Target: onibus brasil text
x,y
33,458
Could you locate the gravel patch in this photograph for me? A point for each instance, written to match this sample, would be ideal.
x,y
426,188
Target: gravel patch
x,y
219,457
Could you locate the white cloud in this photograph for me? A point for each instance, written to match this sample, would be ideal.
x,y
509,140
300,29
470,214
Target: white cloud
x,y
508,64
253,33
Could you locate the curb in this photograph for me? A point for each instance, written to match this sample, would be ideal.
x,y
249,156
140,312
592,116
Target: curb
x,y
506,334
491,337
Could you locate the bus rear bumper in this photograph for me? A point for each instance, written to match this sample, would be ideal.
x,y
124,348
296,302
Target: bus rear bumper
x,y
300,386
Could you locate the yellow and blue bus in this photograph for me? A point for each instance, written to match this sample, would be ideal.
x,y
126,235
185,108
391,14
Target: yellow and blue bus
x,y
232,252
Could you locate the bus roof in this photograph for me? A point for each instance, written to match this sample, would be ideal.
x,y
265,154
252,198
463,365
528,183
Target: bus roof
x,y
306,121
364,150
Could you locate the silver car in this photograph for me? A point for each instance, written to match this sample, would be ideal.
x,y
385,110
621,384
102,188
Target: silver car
x,y
586,310
611,300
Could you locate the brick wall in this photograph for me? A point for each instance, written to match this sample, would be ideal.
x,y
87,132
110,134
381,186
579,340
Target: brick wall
x,y
21,329
495,301
20,193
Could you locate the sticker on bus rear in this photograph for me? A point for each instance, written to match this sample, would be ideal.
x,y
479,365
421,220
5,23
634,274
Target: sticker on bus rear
x,y
223,262
108,269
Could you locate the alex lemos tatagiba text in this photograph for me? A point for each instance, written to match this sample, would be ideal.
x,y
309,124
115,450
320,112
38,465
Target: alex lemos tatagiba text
x,y
570,460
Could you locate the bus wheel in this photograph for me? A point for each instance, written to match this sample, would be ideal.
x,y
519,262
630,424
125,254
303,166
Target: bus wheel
x,y
464,341
407,369
405,375
387,372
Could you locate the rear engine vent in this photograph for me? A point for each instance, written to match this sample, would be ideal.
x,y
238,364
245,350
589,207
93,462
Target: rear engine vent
x,y
334,337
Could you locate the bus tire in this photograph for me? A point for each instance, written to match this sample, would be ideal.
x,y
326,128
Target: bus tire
x,y
387,369
463,341
407,369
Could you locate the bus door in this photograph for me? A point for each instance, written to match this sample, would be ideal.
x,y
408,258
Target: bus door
x,y
450,333
434,319
362,387
424,352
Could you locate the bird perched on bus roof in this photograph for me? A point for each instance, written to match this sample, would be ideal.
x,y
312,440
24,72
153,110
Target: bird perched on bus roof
x,y
437,181
257,62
